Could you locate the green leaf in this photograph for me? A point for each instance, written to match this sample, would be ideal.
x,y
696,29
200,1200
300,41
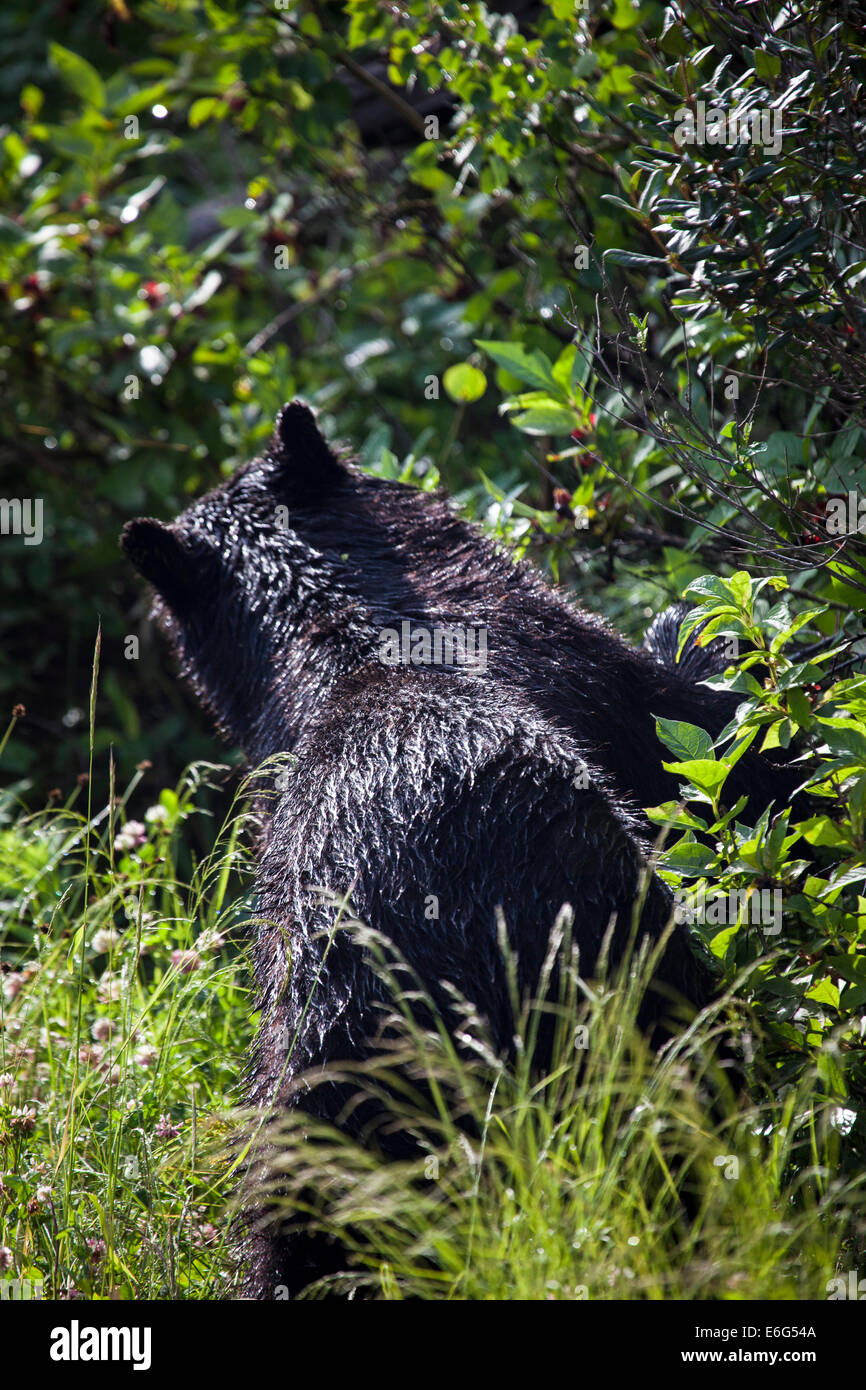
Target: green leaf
x,y
793,247
464,383
847,743
617,81
547,419
799,708
134,102
688,858
564,366
673,40
204,109
820,830
31,100
741,587
637,213
531,367
824,992
778,735
676,814
706,774
767,65
632,259
685,740
710,586
783,637
851,968
722,940
78,74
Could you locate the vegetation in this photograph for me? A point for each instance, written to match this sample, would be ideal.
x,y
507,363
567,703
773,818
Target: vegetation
x,y
486,247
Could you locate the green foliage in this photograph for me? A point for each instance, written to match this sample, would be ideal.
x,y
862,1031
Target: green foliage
x,y
780,904
123,1029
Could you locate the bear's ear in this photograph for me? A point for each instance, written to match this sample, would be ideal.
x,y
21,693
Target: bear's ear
x,y
159,554
305,466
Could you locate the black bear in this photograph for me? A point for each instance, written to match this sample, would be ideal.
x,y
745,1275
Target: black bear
x,y
487,785
406,557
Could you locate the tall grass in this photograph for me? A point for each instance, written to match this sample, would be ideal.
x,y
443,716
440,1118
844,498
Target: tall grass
x,y
617,1174
125,1017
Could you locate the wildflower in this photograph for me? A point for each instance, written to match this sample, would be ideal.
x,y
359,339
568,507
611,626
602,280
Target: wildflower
x,y
5,1258
23,1118
130,836
165,1129
156,815
6,1080
186,961
44,1194
102,1030
96,1248
105,940
147,1056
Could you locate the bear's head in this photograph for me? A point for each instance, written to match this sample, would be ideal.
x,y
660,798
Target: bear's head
x,y
249,600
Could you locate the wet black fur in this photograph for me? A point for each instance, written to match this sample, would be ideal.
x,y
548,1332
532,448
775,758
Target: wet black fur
x,y
408,782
